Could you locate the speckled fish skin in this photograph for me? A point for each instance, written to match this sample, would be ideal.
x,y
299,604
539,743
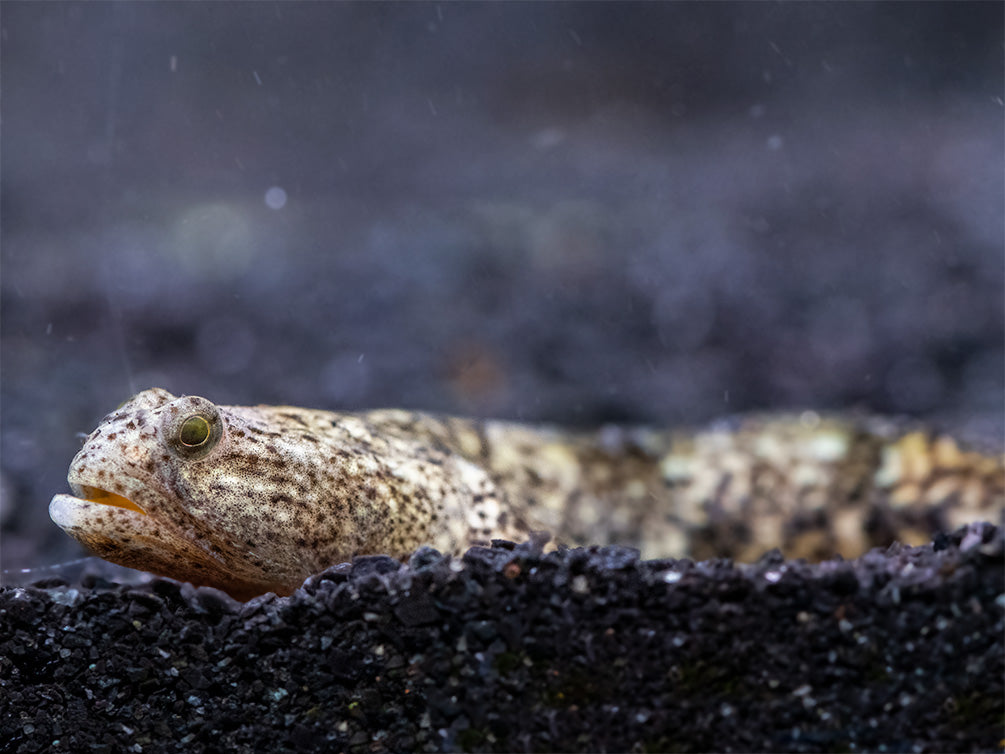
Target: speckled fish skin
x,y
255,499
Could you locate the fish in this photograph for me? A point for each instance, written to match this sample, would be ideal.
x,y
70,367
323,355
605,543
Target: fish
x,y
255,499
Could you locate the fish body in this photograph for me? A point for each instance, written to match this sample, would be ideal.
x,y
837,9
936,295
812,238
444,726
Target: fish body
x,y
252,499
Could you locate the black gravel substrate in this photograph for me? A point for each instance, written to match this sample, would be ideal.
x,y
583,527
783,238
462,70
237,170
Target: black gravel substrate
x,y
512,649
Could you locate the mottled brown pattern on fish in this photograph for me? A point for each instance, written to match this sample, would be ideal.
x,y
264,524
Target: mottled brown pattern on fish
x,y
262,496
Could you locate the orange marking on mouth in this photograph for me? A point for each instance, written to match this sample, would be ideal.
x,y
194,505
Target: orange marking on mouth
x,y
104,497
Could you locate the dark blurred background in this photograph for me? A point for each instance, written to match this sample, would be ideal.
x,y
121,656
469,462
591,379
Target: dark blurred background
x,y
578,213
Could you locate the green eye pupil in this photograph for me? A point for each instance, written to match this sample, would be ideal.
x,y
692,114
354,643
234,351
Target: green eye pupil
x,y
194,432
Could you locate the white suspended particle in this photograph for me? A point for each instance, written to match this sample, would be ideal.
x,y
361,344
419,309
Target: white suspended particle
x,y
275,197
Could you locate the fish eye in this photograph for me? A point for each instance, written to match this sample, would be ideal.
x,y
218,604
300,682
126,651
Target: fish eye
x,y
192,427
194,432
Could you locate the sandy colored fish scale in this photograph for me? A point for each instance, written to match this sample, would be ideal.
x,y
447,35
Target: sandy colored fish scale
x,y
255,499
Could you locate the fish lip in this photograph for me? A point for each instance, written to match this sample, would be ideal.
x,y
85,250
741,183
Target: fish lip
x,y
66,510
94,494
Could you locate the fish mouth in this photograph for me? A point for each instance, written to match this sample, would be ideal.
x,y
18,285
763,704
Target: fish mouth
x,y
104,497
